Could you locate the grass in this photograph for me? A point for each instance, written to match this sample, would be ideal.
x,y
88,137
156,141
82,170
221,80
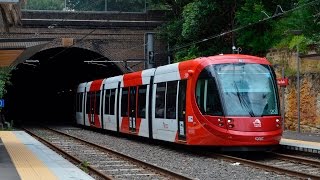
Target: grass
x,y
84,166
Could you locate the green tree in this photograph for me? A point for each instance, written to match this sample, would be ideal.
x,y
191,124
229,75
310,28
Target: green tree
x,y
306,20
5,74
257,20
204,27
193,22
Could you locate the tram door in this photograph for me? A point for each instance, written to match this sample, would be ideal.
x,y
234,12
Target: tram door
x,y
92,104
83,105
132,109
182,110
89,108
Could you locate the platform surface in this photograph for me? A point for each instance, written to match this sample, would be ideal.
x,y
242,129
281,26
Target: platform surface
x,y
23,157
301,141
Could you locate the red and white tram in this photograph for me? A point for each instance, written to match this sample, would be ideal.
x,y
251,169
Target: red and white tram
x,y
223,100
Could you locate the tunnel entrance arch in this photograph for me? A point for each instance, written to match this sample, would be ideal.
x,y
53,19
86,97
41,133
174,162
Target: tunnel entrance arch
x,y
43,86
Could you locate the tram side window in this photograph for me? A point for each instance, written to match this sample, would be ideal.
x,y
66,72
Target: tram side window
x,y
171,100
124,102
112,100
160,100
107,101
142,101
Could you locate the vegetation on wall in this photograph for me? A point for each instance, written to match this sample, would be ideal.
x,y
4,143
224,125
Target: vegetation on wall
x,y
5,74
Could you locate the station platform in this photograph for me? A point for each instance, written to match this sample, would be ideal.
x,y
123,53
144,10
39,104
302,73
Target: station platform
x,y
306,142
23,157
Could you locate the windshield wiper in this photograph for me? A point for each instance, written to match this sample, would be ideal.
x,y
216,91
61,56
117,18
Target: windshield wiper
x,y
243,101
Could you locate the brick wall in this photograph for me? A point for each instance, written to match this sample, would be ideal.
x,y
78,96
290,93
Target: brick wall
x,y
119,40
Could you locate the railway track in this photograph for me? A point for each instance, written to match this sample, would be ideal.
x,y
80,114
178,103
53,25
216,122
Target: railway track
x,y
280,163
290,166
100,162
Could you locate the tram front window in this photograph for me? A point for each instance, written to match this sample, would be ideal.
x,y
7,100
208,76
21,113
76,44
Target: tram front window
x,y
247,89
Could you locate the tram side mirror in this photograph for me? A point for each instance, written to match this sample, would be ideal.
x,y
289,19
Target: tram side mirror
x,y
190,72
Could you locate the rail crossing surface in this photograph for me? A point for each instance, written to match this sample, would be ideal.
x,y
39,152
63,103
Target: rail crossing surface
x,y
23,157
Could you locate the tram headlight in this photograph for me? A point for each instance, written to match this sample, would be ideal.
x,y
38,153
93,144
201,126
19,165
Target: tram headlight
x,y
230,123
220,122
278,123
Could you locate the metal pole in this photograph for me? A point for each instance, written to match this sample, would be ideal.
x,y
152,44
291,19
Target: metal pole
x,y
282,108
106,5
298,87
169,58
145,6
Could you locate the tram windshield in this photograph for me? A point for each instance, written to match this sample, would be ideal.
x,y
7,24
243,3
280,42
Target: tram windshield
x,y
245,90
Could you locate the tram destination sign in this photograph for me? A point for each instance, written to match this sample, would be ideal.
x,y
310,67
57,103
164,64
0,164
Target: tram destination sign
x,y
9,1
283,82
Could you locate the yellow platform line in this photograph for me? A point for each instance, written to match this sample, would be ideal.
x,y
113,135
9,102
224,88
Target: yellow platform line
x,y
28,166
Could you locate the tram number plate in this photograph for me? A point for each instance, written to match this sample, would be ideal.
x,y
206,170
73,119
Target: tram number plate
x,y
259,138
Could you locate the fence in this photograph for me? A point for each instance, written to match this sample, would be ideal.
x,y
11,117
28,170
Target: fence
x,y
87,5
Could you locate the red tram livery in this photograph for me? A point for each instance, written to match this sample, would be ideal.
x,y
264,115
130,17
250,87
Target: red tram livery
x,y
222,101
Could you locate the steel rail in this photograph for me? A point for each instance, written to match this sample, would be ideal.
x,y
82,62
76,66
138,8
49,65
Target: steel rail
x,y
167,172
267,167
300,159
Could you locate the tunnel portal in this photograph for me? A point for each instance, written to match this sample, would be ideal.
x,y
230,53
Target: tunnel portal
x,y
42,88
